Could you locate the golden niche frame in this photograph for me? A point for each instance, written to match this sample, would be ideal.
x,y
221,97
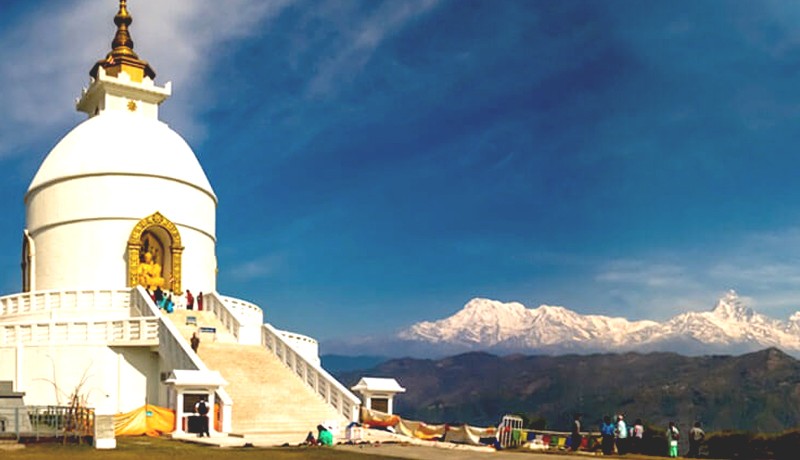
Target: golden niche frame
x,y
175,248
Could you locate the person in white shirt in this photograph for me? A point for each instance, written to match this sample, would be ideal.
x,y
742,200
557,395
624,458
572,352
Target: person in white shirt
x,y
621,435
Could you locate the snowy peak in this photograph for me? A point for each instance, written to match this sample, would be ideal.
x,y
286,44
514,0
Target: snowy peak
x,y
795,318
490,323
731,307
729,327
491,310
481,321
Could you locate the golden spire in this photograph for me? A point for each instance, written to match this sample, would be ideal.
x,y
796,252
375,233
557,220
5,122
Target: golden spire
x,y
122,58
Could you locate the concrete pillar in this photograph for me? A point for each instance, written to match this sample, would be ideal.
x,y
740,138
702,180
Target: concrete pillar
x,y
211,414
179,411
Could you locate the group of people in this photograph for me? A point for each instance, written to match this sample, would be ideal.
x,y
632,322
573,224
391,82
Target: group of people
x,y
163,300
696,438
190,301
324,437
617,436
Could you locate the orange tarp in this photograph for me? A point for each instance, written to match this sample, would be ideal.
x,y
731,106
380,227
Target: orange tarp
x,y
464,434
148,419
378,419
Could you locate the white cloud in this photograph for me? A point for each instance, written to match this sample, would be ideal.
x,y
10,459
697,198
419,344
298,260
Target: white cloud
x,y
262,267
361,40
49,56
760,266
644,273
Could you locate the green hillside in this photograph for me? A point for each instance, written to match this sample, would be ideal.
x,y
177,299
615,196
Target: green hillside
x,y
756,392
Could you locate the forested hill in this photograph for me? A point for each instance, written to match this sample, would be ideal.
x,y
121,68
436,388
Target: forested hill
x,y
758,391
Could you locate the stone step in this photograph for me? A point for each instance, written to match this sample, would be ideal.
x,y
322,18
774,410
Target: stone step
x,y
269,398
202,319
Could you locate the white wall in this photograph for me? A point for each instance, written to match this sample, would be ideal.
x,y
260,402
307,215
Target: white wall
x,y
119,379
7,363
81,227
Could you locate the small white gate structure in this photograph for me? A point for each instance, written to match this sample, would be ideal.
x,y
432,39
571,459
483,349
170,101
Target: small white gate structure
x,y
505,431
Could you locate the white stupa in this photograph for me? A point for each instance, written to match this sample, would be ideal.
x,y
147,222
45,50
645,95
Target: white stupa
x,y
119,209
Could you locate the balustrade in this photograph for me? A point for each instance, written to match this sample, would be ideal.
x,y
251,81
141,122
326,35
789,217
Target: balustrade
x,y
138,331
50,302
239,316
333,392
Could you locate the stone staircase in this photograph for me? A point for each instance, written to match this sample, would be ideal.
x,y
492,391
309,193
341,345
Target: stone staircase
x,y
269,399
203,319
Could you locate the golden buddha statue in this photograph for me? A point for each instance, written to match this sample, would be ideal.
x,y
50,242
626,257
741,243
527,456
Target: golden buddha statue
x,y
149,273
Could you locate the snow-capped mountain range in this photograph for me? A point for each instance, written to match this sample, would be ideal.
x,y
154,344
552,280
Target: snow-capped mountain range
x,y
730,328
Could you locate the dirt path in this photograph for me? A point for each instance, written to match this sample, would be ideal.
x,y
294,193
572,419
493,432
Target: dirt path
x,y
425,453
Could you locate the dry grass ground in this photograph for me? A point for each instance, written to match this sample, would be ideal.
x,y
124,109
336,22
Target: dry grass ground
x,y
156,449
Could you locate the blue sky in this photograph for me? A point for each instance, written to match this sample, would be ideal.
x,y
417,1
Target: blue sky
x,y
380,163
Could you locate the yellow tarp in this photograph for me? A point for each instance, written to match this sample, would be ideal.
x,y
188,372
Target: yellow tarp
x,y
466,434
379,419
420,430
149,420
463,434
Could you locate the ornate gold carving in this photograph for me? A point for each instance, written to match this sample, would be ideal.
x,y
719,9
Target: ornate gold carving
x,y
132,106
135,247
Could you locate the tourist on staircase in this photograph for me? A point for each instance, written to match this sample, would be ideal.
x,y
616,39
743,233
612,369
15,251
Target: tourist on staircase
x,y
195,341
189,300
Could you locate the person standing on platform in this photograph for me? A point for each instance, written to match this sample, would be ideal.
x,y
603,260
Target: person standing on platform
x,y
576,440
200,301
607,434
696,437
202,408
189,300
621,435
637,433
672,435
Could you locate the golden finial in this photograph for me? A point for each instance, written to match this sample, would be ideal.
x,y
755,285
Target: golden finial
x,y
122,57
122,43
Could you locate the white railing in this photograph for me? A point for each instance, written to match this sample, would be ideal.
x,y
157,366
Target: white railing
x,y
294,336
213,303
175,350
50,302
324,384
309,371
304,344
131,332
246,311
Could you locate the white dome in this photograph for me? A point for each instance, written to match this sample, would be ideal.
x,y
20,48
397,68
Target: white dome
x,y
125,144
